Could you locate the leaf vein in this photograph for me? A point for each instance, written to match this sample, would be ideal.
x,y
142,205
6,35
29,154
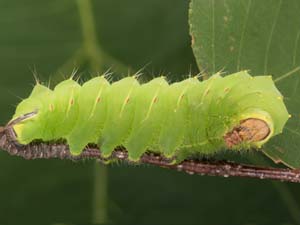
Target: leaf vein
x,y
243,34
271,37
287,74
292,131
296,48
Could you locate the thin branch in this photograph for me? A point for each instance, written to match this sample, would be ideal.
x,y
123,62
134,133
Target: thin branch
x,y
211,168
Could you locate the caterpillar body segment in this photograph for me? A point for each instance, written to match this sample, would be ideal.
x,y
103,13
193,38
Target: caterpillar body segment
x,y
177,120
91,118
177,117
120,114
150,113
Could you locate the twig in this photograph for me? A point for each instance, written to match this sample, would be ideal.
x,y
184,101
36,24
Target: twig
x,y
211,168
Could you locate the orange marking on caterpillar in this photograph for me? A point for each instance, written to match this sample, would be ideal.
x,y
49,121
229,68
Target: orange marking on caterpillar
x,y
207,92
51,107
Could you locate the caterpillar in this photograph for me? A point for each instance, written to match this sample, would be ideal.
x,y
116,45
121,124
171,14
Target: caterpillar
x,y
177,120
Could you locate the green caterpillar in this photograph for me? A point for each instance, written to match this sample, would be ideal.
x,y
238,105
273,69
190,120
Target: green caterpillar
x,y
177,120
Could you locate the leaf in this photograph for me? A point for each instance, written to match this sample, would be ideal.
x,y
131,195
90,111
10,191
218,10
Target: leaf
x,y
260,36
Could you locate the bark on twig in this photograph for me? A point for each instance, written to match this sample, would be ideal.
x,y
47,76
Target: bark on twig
x,y
211,168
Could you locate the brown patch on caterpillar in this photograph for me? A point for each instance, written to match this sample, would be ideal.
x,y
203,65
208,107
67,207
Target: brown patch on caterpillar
x,y
250,130
2,129
2,137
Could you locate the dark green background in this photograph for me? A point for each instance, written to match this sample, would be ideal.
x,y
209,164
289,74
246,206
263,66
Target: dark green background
x,y
130,35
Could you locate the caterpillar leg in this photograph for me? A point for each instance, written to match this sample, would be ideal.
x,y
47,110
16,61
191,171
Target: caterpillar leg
x,y
138,143
112,137
77,143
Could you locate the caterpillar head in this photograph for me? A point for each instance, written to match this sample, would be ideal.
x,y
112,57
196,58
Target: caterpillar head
x,y
251,130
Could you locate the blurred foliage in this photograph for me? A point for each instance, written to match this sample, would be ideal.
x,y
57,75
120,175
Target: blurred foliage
x,y
125,35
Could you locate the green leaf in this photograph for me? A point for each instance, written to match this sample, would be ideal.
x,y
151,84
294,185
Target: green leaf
x,y
260,36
